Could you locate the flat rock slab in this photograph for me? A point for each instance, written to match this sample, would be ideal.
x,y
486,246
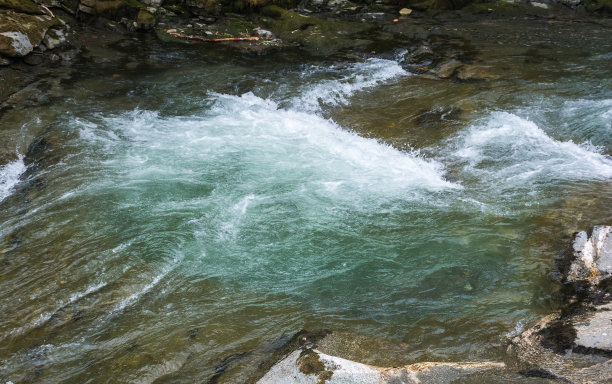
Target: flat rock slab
x,y
315,367
596,331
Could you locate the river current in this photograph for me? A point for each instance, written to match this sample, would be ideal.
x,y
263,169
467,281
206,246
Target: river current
x,y
169,218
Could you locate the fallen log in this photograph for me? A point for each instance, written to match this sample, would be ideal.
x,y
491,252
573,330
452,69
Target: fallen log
x,y
174,33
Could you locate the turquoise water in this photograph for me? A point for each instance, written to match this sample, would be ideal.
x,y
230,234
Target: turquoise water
x,y
180,215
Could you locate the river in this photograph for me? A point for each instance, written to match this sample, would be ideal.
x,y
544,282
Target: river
x,y
180,214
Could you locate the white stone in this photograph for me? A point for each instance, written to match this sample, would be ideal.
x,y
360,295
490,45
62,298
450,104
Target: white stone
x,y
344,371
593,255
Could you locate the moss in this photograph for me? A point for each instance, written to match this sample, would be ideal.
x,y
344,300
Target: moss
x,y
235,26
25,6
134,4
310,364
145,20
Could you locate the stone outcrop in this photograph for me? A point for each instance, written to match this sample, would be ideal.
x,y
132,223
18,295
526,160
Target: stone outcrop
x,y
575,344
303,360
311,366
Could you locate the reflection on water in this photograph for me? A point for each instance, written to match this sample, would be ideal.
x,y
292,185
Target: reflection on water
x,y
174,223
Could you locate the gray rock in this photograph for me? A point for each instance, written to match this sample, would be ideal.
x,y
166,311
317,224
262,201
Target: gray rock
x,y
595,332
312,367
54,38
18,43
592,256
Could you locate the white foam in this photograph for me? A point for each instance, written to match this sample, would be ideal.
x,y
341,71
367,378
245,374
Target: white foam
x,y
9,176
515,151
266,145
360,76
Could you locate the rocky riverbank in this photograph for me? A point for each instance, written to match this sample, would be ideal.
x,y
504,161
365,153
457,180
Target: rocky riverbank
x,y
38,32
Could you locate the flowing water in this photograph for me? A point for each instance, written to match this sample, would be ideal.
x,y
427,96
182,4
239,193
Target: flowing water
x,y
200,206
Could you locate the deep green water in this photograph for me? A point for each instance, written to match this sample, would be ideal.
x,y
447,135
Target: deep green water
x,y
194,207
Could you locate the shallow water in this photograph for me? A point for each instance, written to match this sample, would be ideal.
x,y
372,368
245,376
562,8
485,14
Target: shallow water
x,y
194,208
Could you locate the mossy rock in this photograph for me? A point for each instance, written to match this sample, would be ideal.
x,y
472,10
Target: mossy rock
x,y
145,20
317,36
20,32
23,6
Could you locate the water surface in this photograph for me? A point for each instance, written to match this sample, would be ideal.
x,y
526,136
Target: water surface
x,y
191,208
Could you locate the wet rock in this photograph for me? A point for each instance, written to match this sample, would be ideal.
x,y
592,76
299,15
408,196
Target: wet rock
x,y
474,73
313,366
448,69
592,256
263,33
34,59
317,36
405,11
54,38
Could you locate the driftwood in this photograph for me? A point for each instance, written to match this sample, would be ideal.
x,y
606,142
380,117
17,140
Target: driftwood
x,y
173,32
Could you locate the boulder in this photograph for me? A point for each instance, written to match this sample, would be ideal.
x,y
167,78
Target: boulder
x,y
592,256
311,366
54,38
21,32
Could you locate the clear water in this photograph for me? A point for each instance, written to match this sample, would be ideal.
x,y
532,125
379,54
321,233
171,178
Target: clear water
x,y
200,209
